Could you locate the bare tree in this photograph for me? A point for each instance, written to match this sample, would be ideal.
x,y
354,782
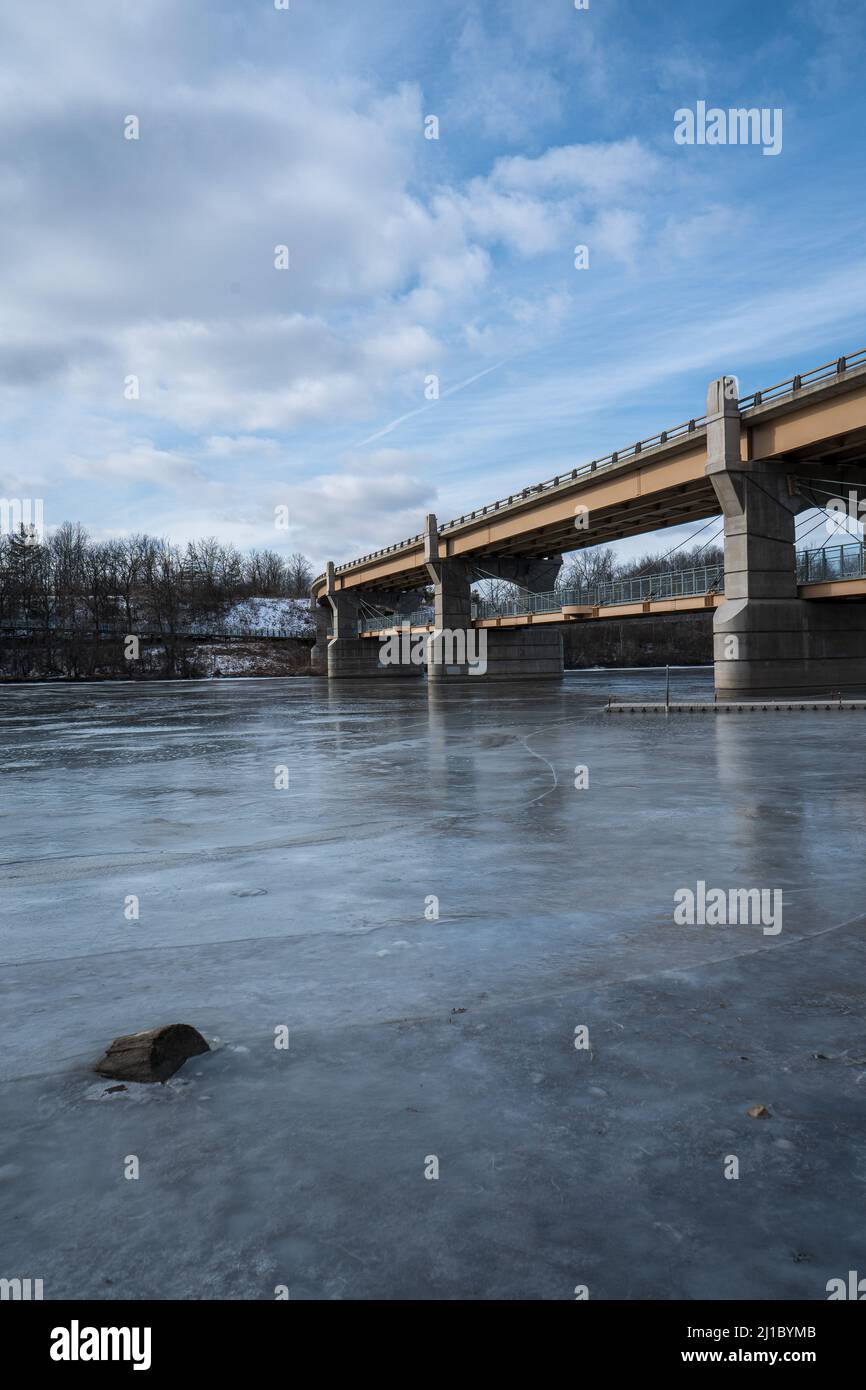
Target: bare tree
x,y
586,569
264,574
657,562
496,591
298,576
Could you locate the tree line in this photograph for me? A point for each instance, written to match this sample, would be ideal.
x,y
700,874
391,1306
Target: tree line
x,y
71,583
591,567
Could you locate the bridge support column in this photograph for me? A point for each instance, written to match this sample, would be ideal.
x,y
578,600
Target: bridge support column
x,y
352,656
453,650
767,641
319,650
458,651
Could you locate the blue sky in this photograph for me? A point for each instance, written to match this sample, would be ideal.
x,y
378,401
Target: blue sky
x,y
409,257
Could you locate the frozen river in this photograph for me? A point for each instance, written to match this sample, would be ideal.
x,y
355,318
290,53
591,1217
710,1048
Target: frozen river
x,y
415,1037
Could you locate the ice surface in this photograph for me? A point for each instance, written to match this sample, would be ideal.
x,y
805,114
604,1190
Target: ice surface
x,y
306,908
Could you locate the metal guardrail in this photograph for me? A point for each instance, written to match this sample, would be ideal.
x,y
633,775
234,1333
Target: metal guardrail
x,y
793,384
767,395
422,617
831,562
704,579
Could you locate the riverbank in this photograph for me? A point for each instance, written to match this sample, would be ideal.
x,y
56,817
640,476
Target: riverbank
x,y
185,659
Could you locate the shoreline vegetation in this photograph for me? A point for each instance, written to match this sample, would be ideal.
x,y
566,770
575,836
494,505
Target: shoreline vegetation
x,y
187,658
74,608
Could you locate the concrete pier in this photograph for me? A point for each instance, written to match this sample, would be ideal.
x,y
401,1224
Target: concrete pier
x,y
321,614
767,640
490,654
350,656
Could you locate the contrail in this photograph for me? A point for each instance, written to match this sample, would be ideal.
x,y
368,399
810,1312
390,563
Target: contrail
x,y
421,408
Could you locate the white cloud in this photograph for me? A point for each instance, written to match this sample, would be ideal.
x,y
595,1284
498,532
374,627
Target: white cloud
x,y
141,463
597,170
618,233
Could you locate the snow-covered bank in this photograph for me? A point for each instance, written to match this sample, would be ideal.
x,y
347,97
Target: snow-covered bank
x,y
289,615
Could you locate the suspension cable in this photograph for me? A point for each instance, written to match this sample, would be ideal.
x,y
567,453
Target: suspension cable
x,y
712,521
822,521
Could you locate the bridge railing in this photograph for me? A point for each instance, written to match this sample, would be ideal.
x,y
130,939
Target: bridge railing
x,y
704,579
792,384
638,589
832,562
375,622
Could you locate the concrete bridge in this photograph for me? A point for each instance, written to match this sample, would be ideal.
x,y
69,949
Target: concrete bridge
x,y
759,460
